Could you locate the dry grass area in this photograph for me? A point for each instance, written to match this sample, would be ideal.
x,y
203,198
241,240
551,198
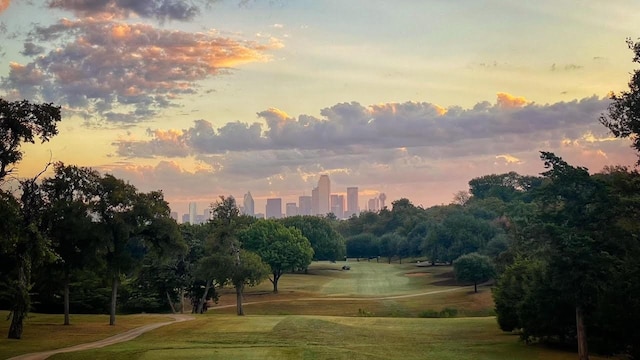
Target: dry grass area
x,y
45,332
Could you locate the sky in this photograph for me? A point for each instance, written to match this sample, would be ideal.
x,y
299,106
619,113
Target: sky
x,y
410,98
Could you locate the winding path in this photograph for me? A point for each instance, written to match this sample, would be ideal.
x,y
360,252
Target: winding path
x,y
125,336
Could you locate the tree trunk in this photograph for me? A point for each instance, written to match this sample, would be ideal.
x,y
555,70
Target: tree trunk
x,y
239,288
66,299
204,297
20,307
475,287
583,352
173,309
181,301
276,277
114,297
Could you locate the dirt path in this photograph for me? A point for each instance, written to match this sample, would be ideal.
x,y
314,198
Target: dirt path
x,y
125,336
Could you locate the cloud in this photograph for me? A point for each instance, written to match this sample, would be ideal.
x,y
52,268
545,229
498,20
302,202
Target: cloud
x,y
410,149
31,49
158,9
4,5
509,101
102,65
349,133
567,67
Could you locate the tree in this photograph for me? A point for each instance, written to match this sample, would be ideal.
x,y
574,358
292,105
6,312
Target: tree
x,y
28,247
247,270
68,219
474,268
623,118
326,242
281,248
363,245
225,261
131,224
22,121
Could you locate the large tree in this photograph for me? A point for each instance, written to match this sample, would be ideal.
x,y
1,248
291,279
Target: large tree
x,y
131,224
23,242
473,268
20,122
69,194
326,242
623,118
282,248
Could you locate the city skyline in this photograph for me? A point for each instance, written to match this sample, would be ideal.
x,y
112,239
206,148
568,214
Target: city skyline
x,y
410,99
341,204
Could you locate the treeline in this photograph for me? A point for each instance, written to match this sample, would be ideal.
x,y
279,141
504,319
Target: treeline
x,y
80,241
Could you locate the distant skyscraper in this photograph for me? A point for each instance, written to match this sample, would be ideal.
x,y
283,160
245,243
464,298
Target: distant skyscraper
x,y
315,201
304,205
292,209
248,204
373,204
324,190
382,198
192,213
352,202
274,208
174,216
337,205
185,218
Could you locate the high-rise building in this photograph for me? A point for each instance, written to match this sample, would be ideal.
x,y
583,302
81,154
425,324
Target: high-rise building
x,y
352,202
373,204
304,205
315,201
291,209
192,213
337,205
174,216
274,208
324,191
248,204
185,218
382,198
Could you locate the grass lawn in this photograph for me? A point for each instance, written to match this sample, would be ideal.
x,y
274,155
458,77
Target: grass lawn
x,y
214,336
45,332
369,312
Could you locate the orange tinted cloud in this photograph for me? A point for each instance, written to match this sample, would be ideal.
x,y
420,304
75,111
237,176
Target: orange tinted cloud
x,y
507,101
139,66
4,4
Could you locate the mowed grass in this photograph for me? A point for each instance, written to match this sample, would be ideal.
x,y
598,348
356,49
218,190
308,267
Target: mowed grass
x,y
378,289
214,336
369,312
45,332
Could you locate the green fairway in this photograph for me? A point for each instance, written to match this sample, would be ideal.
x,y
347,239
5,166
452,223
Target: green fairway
x,y
369,312
376,279
318,337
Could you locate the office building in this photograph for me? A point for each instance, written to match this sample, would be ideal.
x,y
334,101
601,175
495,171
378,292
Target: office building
x,y
274,208
291,209
304,205
315,201
185,218
192,213
352,202
248,204
337,205
324,191
373,204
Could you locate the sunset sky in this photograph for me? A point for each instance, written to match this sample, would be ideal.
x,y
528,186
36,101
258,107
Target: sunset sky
x,y
412,98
